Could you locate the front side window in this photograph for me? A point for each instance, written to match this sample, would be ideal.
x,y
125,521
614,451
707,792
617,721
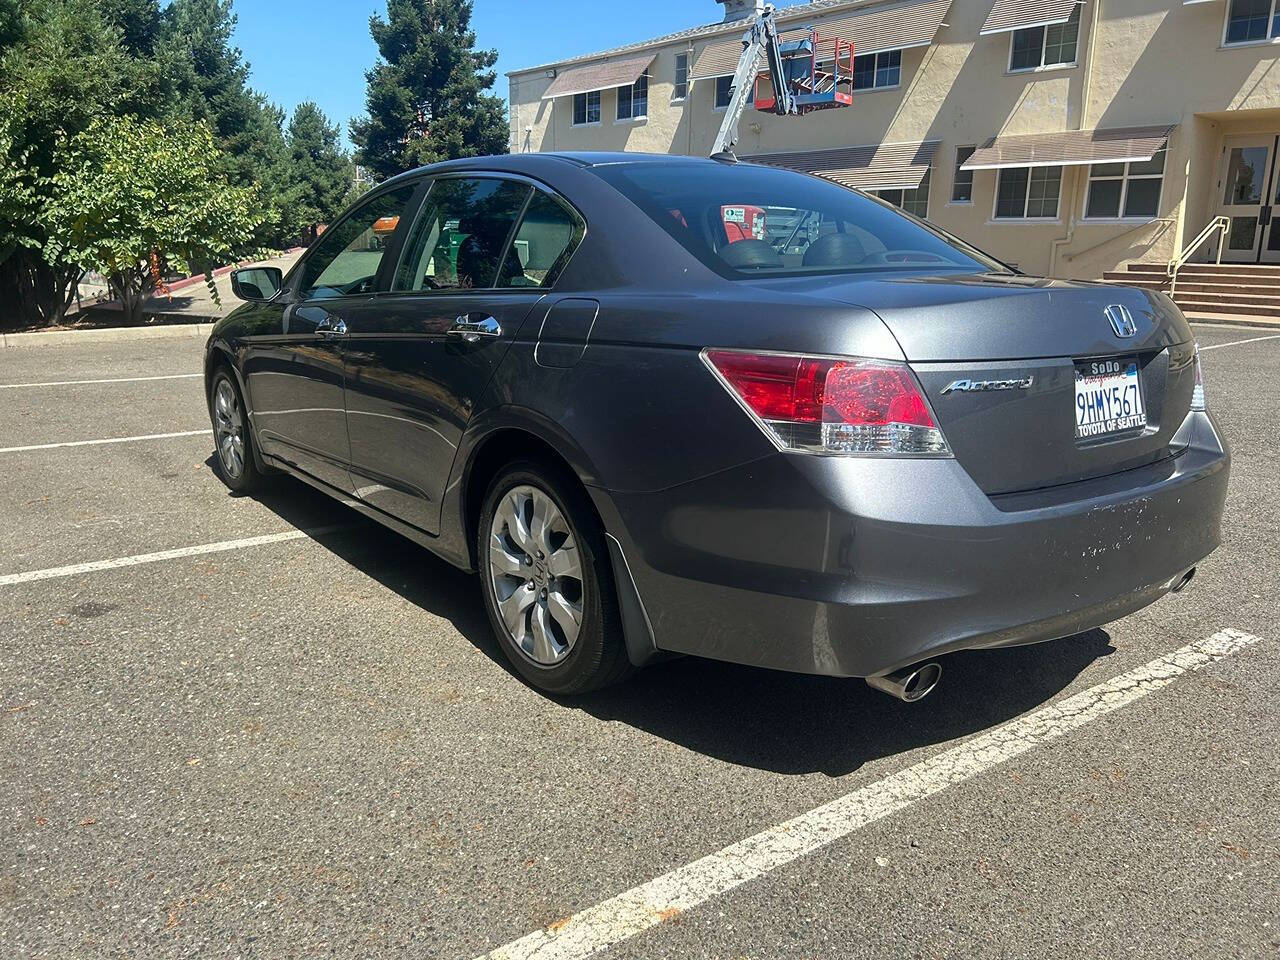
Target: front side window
x,y
962,185
345,262
1249,21
586,108
873,71
1036,48
1118,190
460,239
724,91
681,88
633,99
749,221
1028,193
914,201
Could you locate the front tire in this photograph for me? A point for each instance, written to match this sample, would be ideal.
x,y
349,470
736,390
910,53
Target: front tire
x,y
233,441
547,584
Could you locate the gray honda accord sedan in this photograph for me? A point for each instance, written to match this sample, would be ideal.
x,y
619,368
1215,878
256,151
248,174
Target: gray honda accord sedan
x,y
670,405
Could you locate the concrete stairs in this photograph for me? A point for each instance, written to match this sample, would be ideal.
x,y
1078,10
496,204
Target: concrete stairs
x,y
1238,292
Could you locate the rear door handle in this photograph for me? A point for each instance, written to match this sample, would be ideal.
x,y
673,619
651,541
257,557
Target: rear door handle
x,y
331,328
473,331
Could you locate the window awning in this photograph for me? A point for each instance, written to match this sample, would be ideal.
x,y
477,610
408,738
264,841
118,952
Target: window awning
x,y
1070,148
876,166
894,26
1009,15
585,77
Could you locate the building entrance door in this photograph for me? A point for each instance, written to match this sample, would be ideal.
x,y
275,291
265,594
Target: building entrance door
x,y
1249,193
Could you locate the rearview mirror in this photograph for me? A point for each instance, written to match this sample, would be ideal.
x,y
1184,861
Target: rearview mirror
x,y
257,283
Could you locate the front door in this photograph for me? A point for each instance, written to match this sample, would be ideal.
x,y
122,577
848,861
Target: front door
x,y
1249,194
295,379
483,251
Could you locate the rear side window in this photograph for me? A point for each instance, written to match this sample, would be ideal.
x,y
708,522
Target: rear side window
x,y
547,237
346,260
745,220
460,239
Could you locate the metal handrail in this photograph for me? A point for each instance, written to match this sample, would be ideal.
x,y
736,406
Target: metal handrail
x,y
1218,225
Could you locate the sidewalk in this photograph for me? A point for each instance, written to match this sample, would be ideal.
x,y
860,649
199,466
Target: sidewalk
x,y
190,311
191,301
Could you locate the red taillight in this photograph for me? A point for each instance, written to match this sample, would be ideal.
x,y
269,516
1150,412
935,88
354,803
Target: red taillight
x,y
832,406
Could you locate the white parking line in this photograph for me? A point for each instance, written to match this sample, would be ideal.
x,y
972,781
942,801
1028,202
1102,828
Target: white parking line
x,y
622,917
1236,343
75,383
94,443
10,579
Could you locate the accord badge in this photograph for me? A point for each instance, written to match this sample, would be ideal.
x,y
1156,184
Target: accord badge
x,y
979,386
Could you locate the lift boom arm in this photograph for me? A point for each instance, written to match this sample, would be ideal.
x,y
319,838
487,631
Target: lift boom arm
x,y
759,41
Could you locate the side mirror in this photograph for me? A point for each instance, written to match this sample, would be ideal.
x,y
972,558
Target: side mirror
x,y
257,284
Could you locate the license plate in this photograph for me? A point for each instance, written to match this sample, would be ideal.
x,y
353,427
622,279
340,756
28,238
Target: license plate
x,y
1108,398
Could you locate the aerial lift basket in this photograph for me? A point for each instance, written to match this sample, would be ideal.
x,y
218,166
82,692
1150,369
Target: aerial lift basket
x,y
817,70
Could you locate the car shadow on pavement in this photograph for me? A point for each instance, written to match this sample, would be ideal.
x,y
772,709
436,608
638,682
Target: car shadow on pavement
x,y
780,722
796,724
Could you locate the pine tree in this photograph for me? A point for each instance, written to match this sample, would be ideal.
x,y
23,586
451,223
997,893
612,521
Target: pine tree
x,y
428,96
320,170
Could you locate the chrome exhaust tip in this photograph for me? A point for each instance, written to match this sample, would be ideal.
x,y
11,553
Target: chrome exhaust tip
x,y
910,683
1182,581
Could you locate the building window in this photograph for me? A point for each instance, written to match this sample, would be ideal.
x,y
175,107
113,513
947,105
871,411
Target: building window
x,y
914,201
1039,47
724,92
633,99
586,108
1249,21
681,88
962,185
873,71
1120,190
1028,193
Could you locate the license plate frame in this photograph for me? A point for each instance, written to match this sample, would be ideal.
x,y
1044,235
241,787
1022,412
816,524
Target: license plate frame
x,y
1109,399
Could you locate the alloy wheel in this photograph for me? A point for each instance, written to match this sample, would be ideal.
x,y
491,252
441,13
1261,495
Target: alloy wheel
x,y
228,421
536,573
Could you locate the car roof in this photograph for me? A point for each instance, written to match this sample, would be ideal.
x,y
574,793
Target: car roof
x,y
532,163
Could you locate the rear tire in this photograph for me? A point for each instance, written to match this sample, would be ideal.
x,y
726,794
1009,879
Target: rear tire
x,y
233,440
547,582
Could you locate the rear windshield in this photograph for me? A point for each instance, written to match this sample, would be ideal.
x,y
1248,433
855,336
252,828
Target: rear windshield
x,y
745,220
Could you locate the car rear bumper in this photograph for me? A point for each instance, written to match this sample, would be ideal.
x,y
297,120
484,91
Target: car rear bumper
x,y
853,567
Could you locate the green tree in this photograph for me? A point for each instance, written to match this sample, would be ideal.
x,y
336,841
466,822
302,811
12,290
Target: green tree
x,y
135,197
210,78
428,97
320,170
61,67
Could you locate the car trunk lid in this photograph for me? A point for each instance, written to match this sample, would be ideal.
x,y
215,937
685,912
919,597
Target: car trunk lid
x,y
997,356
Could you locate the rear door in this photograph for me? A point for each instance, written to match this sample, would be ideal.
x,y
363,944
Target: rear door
x,y
482,252
295,378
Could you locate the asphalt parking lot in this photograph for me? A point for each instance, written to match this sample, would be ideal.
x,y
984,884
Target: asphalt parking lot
x,y
267,727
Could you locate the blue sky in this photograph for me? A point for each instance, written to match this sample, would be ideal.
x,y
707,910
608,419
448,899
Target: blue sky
x,y
319,49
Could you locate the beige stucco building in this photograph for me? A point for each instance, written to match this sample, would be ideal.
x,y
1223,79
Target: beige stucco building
x,y
990,117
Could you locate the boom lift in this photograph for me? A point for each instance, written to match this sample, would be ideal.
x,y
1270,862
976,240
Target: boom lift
x,y
809,73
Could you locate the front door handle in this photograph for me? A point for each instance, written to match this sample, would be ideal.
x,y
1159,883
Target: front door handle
x,y
473,331
331,327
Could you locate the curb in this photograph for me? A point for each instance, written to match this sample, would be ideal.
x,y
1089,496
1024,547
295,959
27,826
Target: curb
x,y
1236,320
105,335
